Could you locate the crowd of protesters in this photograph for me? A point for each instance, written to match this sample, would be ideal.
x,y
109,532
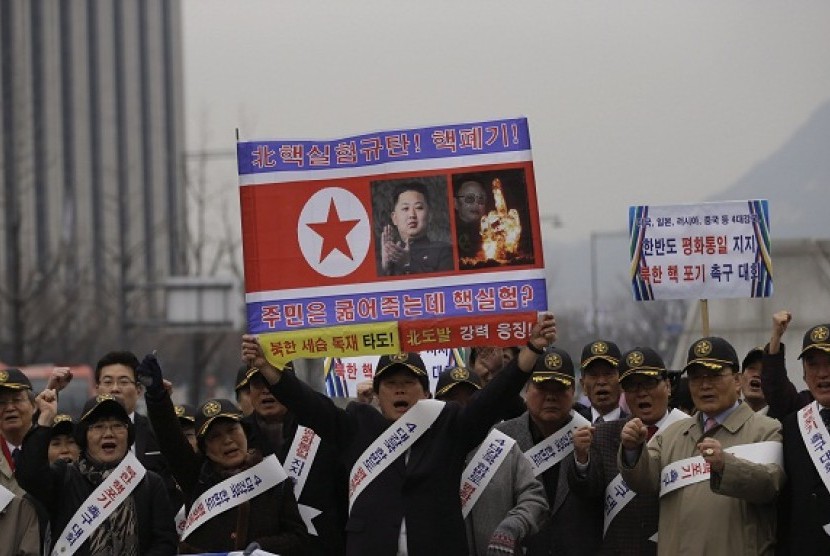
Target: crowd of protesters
x,y
501,458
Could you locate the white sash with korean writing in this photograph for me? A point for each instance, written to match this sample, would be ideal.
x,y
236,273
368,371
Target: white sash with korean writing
x,y
181,520
554,448
479,472
816,440
693,470
109,495
298,464
231,492
617,493
394,441
6,496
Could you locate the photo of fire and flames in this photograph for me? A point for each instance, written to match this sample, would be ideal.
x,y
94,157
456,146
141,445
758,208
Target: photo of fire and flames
x,y
496,231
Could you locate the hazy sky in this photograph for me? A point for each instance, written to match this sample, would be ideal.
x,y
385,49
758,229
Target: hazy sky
x,y
628,102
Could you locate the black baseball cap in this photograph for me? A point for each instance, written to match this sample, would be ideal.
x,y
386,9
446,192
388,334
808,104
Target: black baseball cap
x,y
186,412
104,404
714,353
642,361
450,378
14,379
753,355
211,410
409,361
818,337
63,424
600,350
553,364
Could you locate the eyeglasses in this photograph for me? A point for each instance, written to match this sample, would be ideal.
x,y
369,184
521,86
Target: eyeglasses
x,y
698,378
646,383
471,199
17,400
100,428
122,382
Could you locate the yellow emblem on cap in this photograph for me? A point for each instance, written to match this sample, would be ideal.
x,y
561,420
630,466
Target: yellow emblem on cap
x,y
459,373
819,334
635,359
599,348
62,418
103,397
553,361
179,410
703,348
4,376
399,357
211,408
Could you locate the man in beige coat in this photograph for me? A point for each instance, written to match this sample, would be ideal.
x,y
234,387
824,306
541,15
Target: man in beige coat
x,y
718,472
19,532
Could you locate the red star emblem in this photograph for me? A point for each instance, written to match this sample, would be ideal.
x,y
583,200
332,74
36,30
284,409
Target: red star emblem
x,y
334,232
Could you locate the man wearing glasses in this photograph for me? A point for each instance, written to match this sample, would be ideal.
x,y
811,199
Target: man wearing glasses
x,y
470,205
630,520
16,410
718,474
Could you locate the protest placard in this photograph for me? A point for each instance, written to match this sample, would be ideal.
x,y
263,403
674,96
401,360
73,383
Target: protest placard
x,y
432,231
702,251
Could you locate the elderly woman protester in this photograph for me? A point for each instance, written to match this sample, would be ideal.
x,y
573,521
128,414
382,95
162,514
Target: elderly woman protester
x,y
105,503
234,497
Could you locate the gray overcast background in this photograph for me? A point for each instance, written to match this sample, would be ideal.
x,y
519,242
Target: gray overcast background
x,y
628,102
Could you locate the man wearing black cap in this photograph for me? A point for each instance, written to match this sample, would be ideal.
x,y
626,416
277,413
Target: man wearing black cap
x,y
404,483
630,519
512,503
544,433
719,473
601,381
779,391
804,518
16,410
751,391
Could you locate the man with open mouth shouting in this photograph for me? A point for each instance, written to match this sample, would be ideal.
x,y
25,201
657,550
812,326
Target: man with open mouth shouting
x,y
406,460
601,381
630,519
751,390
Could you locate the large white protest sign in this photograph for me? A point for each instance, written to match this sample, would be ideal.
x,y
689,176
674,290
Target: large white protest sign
x,y
703,251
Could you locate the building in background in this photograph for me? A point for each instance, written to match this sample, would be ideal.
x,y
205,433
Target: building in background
x,y
92,211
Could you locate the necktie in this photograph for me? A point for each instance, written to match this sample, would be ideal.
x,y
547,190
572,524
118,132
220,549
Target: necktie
x,y
710,423
16,457
651,430
825,416
599,420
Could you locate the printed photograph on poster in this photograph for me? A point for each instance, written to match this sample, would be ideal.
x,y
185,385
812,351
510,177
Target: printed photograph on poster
x,y
492,219
411,226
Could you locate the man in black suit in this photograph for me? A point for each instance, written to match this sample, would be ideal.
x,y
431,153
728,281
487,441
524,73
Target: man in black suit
x,y
115,373
804,505
404,500
601,382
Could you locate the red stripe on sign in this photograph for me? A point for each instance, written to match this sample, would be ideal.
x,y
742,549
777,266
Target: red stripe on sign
x,y
495,330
